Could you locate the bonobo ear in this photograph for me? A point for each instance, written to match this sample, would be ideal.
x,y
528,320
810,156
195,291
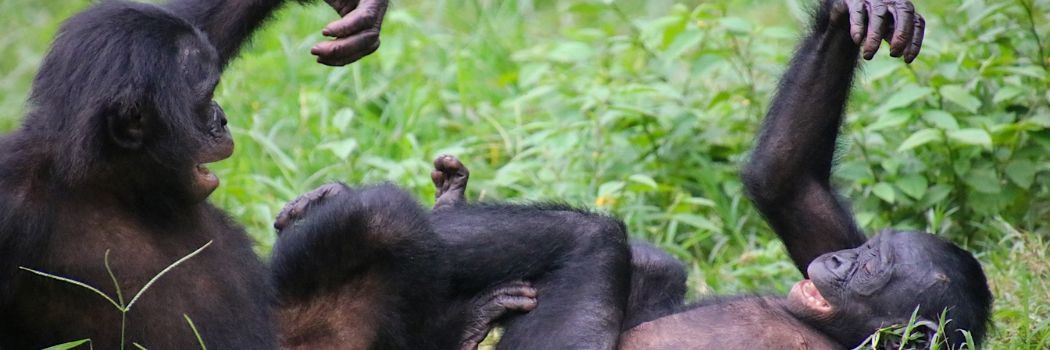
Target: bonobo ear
x,y
126,127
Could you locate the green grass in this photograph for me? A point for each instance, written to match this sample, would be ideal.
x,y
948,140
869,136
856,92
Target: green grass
x,y
645,109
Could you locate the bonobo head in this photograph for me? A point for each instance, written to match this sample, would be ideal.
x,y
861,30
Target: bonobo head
x,y
853,292
123,103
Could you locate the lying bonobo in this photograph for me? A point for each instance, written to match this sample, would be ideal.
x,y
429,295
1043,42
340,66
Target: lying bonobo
x,y
854,286
369,268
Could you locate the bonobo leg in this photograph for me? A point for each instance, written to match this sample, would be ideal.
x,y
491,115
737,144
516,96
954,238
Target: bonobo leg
x,y
657,284
578,262
488,308
360,268
450,180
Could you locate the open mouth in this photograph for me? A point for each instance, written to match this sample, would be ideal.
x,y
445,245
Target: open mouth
x,y
806,292
206,180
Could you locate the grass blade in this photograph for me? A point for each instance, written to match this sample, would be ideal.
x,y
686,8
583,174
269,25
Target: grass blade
x,y
162,272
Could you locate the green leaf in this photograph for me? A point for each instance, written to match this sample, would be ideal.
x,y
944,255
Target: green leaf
x,y
341,149
343,118
69,345
913,185
890,120
983,180
885,192
682,43
737,25
1007,93
904,97
571,51
977,137
936,194
1021,172
697,221
941,119
609,188
920,138
643,179
956,94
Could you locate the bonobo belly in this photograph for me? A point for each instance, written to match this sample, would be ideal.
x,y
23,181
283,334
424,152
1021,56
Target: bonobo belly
x,y
728,325
224,291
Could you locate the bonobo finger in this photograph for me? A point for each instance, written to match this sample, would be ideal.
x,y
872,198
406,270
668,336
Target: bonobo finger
x,y
295,209
438,178
342,7
447,163
876,19
916,40
858,20
904,26
368,14
343,51
358,20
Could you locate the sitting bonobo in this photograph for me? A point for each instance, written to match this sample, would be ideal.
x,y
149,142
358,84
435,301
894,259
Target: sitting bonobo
x,y
854,286
106,182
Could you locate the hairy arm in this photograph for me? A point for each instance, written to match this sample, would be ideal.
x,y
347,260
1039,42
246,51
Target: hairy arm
x,y
230,23
788,177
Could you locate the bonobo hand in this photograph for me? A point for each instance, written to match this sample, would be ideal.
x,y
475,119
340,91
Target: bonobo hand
x,y
871,21
296,209
356,34
489,307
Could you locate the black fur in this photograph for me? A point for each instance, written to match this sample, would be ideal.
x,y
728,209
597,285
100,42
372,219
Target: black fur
x,y
119,115
435,264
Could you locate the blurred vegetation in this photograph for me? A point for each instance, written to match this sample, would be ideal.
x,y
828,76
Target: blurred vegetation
x,y
644,109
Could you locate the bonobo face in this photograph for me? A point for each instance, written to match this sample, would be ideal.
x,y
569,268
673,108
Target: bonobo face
x,y
200,63
889,275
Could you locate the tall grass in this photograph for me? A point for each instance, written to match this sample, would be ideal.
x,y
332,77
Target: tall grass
x,y
645,109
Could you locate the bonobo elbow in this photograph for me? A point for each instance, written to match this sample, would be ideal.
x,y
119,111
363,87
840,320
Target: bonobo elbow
x,y
761,183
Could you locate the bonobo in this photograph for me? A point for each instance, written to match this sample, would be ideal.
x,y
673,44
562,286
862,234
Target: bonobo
x,y
111,161
360,268
394,274
854,286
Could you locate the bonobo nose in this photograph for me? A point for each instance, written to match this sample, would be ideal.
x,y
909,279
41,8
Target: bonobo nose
x,y
839,265
218,115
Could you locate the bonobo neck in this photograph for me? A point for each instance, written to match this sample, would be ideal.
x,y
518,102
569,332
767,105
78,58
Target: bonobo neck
x,y
833,326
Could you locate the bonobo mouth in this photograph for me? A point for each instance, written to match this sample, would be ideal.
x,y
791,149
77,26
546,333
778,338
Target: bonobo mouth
x,y
806,293
205,182
205,179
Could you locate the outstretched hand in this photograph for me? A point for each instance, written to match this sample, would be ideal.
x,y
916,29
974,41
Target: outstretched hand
x,y
871,21
356,35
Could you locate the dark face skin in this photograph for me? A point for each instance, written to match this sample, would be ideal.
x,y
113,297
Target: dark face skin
x,y
200,63
888,276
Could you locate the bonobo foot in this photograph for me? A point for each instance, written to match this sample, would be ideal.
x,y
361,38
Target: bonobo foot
x,y
294,210
497,302
450,179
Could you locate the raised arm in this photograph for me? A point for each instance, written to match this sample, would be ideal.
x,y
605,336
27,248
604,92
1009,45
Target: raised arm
x,y
788,177
230,23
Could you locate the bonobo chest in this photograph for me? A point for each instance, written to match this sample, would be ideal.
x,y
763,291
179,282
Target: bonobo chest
x,y
223,289
747,323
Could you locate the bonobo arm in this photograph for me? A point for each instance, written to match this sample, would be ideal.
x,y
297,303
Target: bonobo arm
x,y
788,177
230,23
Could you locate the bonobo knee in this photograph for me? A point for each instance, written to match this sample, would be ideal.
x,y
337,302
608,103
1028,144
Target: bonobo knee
x,y
599,232
600,238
